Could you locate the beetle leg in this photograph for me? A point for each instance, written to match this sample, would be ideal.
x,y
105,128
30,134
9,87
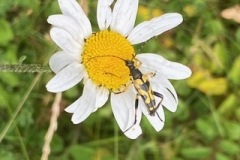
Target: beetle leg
x,y
159,96
137,63
135,118
159,117
159,103
123,88
150,74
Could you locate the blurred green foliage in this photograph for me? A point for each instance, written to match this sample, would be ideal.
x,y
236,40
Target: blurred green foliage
x,y
205,126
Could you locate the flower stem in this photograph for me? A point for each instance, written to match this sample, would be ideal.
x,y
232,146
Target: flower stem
x,y
23,68
52,127
20,105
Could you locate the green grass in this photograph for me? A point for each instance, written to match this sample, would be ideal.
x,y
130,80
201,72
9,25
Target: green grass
x,y
205,126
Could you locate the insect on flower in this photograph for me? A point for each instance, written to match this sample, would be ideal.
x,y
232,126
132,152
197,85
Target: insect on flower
x,y
142,86
106,63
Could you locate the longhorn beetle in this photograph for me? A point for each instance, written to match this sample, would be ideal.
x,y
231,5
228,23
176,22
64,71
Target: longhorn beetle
x,y
142,86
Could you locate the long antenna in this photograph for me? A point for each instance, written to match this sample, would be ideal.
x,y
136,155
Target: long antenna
x,y
106,56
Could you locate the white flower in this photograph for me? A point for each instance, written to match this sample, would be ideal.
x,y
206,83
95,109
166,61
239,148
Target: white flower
x,y
98,60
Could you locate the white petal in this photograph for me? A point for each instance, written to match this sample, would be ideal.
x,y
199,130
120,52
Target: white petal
x,y
123,107
72,108
67,24
66,78
84,106
65,41
171,70
60,60
134,132
72,8
157,121
124,16
148,29
170,100
104,13
102,97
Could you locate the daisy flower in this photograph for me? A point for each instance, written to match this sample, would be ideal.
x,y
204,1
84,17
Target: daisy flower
x,y
98,59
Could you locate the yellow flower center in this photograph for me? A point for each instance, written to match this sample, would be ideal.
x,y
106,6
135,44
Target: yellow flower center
x,y
104,58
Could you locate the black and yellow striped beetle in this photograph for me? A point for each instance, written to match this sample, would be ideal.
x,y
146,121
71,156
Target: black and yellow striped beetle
x,y
143,88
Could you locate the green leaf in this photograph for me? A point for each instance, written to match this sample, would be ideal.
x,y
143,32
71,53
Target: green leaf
x,y
182,88
196,152
177,158
214,86
229,147
6,155
233,130
221,55
206,128
237,113
228,106
11,54
3,98
220,156
103,154
234,74
57,144
238,35
10,79
5,32
216,27
197,78
81,152
25,117
4,7
182,113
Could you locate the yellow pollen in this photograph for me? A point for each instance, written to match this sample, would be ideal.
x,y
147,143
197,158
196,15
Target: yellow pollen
x,y
104,58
